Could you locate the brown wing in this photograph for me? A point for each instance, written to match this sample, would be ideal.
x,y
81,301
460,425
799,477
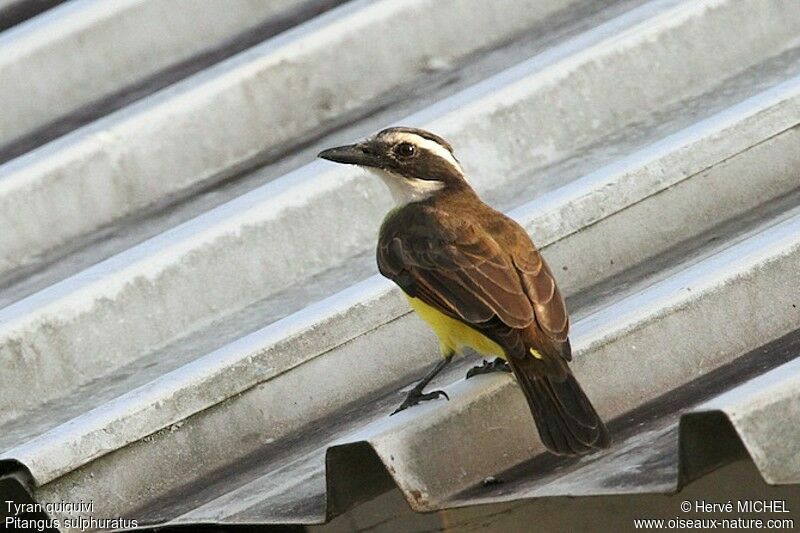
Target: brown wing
x,y
460,271
548,304
510,295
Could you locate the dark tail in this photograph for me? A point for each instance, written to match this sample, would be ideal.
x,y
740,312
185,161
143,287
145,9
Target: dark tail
x,y
564,416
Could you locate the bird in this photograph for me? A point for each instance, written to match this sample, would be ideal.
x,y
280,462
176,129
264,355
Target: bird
x,y
475,276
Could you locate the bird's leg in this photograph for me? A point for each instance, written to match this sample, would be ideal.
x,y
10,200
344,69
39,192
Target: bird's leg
x,y
498,365
416,395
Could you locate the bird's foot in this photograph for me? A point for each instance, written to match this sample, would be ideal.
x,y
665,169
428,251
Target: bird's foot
x,y
498,365
416,396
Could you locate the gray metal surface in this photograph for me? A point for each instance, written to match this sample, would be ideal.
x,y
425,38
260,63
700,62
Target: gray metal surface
x,y
235,362
239,112
86,50
13,12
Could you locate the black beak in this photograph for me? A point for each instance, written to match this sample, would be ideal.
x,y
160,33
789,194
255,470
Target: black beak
x,y
351,154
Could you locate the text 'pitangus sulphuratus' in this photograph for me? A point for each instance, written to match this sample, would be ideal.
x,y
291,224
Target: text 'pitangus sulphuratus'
x,y
476,278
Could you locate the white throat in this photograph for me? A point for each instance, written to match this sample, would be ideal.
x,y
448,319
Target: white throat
x,y
407,190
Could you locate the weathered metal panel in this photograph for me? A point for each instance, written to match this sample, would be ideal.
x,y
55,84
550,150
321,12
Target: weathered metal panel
x,y
238,367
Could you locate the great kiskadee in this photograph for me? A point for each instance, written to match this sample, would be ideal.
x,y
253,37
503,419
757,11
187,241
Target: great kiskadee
x,y
476,278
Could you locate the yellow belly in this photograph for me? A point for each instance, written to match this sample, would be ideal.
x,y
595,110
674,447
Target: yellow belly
x,y
454,335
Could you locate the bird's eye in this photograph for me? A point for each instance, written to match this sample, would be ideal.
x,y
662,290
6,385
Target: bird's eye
x,y
405,149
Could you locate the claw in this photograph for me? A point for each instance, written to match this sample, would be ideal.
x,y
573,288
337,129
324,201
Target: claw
x,y
498,365
415,396
435,394
475,370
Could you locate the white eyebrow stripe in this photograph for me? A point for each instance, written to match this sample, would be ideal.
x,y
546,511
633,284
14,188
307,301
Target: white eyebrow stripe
x,y
431,146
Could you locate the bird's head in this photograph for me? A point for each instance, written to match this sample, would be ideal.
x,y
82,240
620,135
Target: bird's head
x,y
415,164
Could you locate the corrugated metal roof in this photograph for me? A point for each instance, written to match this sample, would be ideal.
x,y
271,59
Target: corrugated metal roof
x,y
192,329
